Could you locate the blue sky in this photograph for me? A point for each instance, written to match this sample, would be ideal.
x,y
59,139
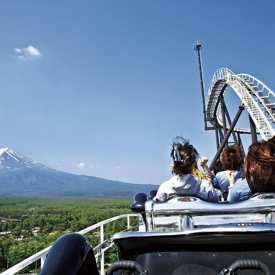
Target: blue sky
x,y
101,87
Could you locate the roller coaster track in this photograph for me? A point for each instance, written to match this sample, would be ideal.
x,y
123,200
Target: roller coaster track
x,y
256,97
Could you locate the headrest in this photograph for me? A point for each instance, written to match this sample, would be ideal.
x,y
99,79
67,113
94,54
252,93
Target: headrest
x,y
139,203
67,255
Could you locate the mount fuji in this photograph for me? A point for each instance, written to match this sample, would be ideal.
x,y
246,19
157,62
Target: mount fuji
x,y
12,160
19,175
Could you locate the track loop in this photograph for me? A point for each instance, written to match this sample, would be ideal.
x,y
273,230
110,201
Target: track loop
x,y
255,96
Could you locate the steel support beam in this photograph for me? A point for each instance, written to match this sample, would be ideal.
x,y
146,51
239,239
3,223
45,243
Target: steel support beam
x,y
217,138
229,122
223,116
240,142
221,134
253,129
198,49
225,139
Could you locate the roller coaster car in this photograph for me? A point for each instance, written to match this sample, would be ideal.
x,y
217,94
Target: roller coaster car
x,y
184,236
186,212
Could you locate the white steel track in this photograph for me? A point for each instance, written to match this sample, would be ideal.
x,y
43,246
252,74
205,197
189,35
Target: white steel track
x,y
256,97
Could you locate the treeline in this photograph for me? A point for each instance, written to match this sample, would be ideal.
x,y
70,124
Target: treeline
x,y
43,220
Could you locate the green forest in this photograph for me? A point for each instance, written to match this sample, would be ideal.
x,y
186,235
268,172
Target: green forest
x,y
38,222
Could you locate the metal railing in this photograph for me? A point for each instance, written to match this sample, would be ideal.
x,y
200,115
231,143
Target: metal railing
x,y
98,251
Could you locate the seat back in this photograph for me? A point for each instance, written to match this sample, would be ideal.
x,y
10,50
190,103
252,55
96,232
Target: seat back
x,y
187,212
71,254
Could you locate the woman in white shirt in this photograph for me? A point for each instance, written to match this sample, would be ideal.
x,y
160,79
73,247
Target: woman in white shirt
x,y
184,182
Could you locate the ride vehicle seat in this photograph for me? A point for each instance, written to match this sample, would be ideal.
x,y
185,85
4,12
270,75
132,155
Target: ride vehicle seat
x,y
71,254
188,212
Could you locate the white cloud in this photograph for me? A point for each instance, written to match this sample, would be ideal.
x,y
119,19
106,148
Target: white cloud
x,y
16,50
32,51
29,52
81,165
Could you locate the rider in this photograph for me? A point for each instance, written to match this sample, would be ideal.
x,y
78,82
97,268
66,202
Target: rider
x,y
232,161
259,171
184,182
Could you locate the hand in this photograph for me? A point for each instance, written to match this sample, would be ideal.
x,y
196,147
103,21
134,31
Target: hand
x,y
231,178
203,161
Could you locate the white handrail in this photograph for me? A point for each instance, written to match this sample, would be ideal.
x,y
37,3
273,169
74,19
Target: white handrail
x,y
43,253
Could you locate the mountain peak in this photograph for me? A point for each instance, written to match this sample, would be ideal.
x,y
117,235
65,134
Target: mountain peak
x,y
22,176
11,160
3,150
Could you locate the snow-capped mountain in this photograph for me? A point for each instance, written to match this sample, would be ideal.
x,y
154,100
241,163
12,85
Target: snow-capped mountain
x,y
10,160
19,175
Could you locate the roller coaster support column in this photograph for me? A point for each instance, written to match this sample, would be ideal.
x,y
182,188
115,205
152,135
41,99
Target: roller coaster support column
x,y
223,108
217,138
225,139
253,129
237,141
198,49
221,133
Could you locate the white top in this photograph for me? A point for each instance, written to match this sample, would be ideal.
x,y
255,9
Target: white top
x,y
188,185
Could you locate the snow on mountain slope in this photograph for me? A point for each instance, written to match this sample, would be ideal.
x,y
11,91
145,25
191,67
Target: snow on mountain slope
x,y
11,160
19,175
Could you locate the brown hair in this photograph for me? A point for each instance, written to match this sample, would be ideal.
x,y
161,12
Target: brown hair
x,y
260,166
188,156
218,167
232,158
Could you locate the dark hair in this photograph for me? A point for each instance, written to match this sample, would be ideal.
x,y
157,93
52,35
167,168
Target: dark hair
x,y
260,166
232,158
188,155
218,167
272,140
